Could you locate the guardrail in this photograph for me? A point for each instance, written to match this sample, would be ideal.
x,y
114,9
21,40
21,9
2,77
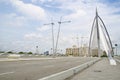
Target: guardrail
x,y
70,72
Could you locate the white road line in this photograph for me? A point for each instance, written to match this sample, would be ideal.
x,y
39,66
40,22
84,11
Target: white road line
x,y
6,73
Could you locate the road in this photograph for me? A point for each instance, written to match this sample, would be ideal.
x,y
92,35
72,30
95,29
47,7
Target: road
x,y
102,70
36,69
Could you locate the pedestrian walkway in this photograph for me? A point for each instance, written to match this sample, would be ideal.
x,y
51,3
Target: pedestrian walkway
x,y
102,70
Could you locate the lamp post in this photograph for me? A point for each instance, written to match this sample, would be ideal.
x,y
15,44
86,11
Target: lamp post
x,y
52,37
116,48
37,52
59,22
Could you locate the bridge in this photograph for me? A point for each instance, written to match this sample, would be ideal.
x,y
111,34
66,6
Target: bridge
x,y
68,68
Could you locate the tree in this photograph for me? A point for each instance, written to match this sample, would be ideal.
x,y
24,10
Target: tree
x,y
29,52
104,54
10,52
21,52
1,51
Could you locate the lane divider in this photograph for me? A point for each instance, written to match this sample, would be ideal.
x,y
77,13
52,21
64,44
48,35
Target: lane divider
x,y
70,72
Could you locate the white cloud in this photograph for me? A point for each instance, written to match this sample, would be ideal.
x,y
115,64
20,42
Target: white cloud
x,y
12,20
33,1
32,36
43,28
42,1
75,15
29,10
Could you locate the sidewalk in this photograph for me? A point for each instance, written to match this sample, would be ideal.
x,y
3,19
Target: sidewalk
x,y
102,70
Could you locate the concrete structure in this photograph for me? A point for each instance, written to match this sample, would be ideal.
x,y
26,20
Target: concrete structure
x,y
70,72
102,70
34,69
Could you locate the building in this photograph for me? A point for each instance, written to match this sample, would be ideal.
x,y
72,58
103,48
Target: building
x,y
75,51
95,52
83,52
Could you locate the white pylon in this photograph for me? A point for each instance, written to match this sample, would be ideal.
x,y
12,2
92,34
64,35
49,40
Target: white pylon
x,y
99,35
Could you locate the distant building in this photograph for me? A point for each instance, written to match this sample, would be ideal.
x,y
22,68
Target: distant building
x,y
95,52
74,51
83,51
46,53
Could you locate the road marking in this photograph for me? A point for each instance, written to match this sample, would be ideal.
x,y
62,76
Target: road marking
x,y
6,73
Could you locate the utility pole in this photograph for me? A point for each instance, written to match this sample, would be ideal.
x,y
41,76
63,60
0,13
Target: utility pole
x,y
82,39
59,22
82,45
77,38
52,36
37,52
116,48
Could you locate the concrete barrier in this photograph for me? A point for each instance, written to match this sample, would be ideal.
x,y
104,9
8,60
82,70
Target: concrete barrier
x,y
70,72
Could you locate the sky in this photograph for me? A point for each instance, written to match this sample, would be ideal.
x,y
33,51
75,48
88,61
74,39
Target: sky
x,y
22,23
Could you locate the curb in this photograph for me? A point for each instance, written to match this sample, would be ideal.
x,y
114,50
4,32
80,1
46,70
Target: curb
x,y
117,60
70,72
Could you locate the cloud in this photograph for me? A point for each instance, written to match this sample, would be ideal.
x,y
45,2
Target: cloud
x,y
43,28
76,14
33,36
29,10
42,1
12,20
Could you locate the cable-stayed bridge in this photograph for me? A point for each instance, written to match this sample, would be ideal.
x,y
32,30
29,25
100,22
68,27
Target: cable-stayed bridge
x,y
67,68
100,39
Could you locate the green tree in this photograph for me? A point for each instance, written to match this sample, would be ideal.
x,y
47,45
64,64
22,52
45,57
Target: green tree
x,y
1,51
21,52
29,52
10,52
104,54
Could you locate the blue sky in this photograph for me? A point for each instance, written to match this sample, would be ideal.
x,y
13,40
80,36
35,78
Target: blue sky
x,y
21,22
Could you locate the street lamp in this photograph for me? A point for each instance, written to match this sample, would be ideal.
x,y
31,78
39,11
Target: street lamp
x,y
59,22
52,36
116,48
37,52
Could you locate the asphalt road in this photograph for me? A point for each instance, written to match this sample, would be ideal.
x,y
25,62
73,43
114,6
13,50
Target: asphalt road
x,y
36,69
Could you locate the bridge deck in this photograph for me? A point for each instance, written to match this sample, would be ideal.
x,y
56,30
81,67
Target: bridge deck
x,y
102,70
